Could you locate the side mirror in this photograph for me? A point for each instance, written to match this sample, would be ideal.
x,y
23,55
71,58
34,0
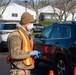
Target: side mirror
x,y
36,35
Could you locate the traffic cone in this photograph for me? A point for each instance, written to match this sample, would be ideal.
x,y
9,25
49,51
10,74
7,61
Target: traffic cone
x,y
74,70
51,72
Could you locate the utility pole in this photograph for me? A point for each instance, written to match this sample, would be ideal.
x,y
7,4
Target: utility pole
x,y
26,6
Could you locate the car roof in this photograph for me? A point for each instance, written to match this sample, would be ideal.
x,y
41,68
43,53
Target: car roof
x,y
9,23
66,23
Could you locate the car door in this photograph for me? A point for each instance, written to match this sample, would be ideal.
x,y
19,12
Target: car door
x,y
42,43
58,39
52,38
60,36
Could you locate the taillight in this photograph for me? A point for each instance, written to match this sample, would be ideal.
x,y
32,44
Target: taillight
x,y
62,50
46,49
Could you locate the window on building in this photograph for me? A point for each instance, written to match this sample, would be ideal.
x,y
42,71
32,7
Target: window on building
x,y
14,15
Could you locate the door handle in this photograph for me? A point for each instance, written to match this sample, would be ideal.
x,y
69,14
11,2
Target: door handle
x,y
43,41
56,42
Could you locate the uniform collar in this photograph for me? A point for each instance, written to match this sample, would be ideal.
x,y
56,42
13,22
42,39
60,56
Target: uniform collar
x,y
23,30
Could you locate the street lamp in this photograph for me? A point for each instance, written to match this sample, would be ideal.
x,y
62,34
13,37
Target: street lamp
x,y
26,6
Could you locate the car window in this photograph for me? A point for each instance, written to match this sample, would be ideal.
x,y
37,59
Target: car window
x,y
60,32
65,32
46,32
8,26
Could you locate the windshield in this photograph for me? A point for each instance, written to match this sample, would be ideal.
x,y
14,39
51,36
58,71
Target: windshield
x,y
7,26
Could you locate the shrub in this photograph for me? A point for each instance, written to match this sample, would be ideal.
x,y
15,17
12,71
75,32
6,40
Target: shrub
x,y
45,23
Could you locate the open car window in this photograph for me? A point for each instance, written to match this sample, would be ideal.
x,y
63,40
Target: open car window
x,y
45,34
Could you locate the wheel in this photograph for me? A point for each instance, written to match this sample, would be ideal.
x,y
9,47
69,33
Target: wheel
x,y
62,67
0,49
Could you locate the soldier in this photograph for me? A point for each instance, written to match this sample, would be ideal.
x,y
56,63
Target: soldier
x,y
20,46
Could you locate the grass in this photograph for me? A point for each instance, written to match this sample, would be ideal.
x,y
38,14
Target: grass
x,y
45,23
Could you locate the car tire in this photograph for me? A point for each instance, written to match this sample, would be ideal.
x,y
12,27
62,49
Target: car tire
x,y
1,50
62,67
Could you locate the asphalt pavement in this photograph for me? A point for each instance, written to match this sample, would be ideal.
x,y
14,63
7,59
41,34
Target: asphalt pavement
x,y
42,69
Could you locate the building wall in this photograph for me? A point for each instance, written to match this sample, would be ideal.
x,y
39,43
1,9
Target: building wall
x,y
48,17
14,12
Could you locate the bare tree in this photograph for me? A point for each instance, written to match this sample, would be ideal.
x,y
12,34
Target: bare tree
x,y
3,5
73,10
38,4
35,4
66,7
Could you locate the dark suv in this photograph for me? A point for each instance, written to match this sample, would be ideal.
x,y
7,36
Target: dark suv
x,y
57,43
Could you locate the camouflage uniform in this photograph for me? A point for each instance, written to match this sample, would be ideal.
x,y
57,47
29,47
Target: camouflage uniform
x,y
19,72
15,51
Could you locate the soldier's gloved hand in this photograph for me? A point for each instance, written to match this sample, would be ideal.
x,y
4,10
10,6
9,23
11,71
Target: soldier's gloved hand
x,y
37,54
34,53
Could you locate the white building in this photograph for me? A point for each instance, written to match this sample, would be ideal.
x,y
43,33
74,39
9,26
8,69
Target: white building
x,y
52,13
14,12
49,11
69,18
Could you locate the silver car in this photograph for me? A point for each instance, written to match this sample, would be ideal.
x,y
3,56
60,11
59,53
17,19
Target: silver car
x,y
5,29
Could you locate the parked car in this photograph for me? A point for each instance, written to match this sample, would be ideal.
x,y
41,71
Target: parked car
x,y
38,27
57,43
5,29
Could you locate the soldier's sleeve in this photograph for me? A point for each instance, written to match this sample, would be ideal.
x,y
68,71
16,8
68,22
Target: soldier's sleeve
x,y
15,48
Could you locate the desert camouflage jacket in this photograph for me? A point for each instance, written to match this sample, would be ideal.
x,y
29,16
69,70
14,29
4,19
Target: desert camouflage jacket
x,y
15,51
